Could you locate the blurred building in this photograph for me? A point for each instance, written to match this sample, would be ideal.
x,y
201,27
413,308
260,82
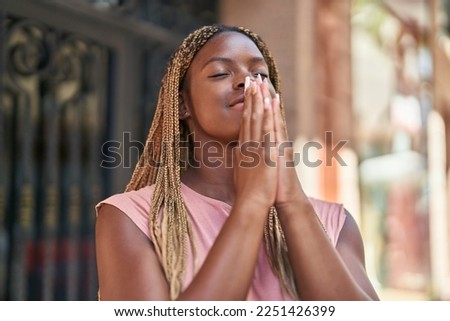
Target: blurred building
x,y
401,66
364,79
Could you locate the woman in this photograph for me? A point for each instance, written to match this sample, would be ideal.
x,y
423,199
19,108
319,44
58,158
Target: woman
x,y
213,210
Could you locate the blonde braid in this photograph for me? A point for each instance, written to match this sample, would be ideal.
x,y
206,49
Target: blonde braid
x,y
160,164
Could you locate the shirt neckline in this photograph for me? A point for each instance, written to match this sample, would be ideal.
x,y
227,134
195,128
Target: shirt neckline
x,y
206,198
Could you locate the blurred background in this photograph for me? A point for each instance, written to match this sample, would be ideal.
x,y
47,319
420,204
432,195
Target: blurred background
x,y
368,79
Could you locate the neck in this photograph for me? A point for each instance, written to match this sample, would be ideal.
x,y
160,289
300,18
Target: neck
x,y
211,174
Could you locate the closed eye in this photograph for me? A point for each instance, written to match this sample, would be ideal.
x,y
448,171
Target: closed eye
x,y
263,75
218,75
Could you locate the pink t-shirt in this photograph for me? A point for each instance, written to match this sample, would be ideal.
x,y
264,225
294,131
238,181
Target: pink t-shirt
x,y
207,216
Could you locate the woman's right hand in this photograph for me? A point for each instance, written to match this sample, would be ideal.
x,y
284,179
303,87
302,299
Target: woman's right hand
x,y
255,170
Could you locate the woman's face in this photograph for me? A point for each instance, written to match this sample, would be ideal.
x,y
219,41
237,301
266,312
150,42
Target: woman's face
x,y
214,87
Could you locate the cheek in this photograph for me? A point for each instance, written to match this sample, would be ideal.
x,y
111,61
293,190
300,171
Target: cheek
x,y
206,100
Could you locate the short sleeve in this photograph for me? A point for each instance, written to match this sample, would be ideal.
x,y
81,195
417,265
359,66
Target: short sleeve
x,y
134,204
332,216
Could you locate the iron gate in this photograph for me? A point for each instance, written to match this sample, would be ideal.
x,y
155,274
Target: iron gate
x,y
74,75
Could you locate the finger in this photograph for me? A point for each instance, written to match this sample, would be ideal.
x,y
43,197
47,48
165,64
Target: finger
x,y
244,134
272,90
268,119
257,111
268,129
280,128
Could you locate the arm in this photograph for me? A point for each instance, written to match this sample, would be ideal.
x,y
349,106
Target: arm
x,y
127,265
226,273
321,271
350,247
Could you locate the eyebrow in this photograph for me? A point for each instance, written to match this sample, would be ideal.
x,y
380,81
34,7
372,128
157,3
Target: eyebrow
x,y
229,60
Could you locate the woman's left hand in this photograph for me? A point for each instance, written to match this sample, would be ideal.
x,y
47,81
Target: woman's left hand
x,y
289,189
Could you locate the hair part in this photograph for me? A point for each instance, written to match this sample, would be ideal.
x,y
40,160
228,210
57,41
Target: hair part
x,y
168,218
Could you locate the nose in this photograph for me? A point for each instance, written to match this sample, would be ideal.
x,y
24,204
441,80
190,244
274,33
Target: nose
x,y
241,83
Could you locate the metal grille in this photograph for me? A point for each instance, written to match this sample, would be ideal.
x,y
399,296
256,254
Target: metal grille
x,y
53,99
74,75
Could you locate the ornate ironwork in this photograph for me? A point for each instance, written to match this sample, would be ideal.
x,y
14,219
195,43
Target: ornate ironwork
x,y
55,85
175,15
70,82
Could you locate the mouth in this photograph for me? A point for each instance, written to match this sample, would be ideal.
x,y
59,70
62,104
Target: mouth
x,y
238,102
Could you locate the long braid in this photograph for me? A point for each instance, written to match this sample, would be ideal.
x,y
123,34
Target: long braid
x,y
161,163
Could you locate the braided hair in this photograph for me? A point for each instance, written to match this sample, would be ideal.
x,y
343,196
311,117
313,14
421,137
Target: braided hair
x,y
161,164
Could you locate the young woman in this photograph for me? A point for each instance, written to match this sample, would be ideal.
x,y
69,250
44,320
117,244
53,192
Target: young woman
x,y
213,210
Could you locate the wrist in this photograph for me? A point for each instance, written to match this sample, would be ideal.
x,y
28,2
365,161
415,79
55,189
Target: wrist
x,y
250,211
294,208
253,199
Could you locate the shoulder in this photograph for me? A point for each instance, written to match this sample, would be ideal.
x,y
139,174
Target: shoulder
x,y
344,232
126,259
134,204
129,200
350,237
339,224
350,247
332,215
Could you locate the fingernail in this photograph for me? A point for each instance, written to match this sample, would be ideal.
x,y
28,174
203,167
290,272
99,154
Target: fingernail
x,y
246,83
267,103
259,79
277,97
254,88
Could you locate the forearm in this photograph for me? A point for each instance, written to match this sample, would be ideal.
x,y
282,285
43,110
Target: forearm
x,y
227,271
319,272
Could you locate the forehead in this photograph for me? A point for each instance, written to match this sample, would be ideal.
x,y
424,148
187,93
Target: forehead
x,y
227,44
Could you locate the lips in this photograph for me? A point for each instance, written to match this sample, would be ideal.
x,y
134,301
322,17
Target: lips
x,y
237,100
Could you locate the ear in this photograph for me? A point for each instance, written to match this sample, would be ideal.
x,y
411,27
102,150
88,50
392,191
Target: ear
x,y
183,108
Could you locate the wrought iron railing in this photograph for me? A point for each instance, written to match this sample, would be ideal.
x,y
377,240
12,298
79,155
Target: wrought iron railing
x,y
74,74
